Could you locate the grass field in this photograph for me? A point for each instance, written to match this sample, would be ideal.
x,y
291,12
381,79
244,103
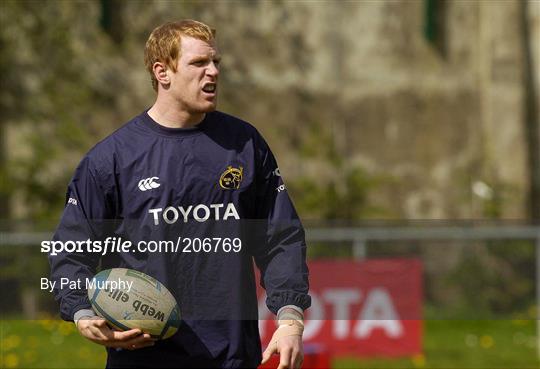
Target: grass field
x,y
447,344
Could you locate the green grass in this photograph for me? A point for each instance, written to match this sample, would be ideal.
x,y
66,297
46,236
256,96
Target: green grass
x,y
47,343
467,344
447,344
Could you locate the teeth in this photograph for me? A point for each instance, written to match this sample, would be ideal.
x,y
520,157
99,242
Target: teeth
x,y
209,88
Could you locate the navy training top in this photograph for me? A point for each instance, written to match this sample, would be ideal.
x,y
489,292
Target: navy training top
x,y
217,180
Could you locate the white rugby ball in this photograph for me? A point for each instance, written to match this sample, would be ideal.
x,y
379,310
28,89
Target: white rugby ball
x,y
129,299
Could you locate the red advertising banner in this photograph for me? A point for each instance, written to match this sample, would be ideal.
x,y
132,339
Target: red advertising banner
x,y
361,308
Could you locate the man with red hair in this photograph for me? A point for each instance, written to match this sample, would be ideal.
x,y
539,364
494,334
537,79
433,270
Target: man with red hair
x,y
183,164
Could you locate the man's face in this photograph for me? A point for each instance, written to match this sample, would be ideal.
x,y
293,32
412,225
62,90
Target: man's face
x,y
194,85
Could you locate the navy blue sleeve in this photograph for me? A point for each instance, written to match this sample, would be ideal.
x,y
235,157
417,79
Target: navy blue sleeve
x,y
281,256
85,217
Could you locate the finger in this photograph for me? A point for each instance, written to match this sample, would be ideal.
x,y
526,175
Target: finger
x,y
126,335
149,337
98,333
267,354
137,343
95,321
88,334
293,363
100,322
298,361
265,358
139,340
84,323
125,346
285,358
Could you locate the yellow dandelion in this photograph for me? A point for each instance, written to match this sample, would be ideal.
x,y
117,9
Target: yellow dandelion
x,y
47,324
66,328
15,341
419,360
11,342
486,341
11,361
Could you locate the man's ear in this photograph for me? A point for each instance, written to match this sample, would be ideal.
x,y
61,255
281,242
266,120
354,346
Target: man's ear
x,y
161,72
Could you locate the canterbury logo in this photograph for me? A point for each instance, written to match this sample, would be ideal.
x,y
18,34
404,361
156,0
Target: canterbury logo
x,y
148,183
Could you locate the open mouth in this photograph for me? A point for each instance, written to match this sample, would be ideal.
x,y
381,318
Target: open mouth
x,y
209,88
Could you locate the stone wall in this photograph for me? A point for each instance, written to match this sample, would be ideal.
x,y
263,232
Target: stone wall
x,y
445,123
336,86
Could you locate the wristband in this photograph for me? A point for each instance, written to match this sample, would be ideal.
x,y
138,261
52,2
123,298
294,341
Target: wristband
x,y
289,315
290,307
290,312
83,313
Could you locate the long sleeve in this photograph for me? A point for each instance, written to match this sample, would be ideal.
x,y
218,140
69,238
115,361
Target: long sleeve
x,y
281,251
85,216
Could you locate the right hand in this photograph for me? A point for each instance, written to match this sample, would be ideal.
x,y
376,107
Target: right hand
x,y
96,330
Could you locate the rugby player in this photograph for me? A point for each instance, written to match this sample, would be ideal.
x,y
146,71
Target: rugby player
x,y
182,167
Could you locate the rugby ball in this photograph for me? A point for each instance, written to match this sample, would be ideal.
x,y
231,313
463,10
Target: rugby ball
x,y
129,299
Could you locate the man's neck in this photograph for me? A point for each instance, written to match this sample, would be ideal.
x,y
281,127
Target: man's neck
x,y
169,114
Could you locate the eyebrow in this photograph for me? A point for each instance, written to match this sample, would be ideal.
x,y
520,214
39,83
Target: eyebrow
x,y
205,57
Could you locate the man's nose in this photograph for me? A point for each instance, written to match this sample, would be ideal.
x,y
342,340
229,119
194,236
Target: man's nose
x,y
213,69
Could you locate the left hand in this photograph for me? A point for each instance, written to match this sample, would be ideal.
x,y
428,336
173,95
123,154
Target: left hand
x,y
291,352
